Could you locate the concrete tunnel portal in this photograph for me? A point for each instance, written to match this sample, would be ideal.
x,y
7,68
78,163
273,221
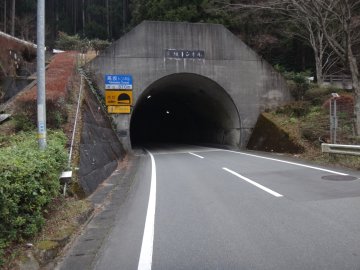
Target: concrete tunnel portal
x,y
193,83
185,108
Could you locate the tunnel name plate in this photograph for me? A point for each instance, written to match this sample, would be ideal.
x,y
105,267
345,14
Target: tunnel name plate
x,y
115,97
184,54
119,109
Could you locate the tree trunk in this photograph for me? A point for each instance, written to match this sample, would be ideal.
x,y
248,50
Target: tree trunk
x,y
83,16
13,18
125,14
108,19
75,17
5,16
319,69
354,69
51,22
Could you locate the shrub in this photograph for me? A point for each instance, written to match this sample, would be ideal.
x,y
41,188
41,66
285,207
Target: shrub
x,y
27,119
295,109
23,122
70,43
29,180
298,88
99,45
298,82
318,95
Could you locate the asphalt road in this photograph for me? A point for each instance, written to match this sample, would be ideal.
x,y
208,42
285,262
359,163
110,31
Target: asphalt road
x,y
206,208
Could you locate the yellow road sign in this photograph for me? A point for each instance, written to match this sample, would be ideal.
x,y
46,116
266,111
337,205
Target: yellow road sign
x,y
118,97
119,109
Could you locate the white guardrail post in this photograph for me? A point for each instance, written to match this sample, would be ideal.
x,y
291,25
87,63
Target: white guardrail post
x,y
343,149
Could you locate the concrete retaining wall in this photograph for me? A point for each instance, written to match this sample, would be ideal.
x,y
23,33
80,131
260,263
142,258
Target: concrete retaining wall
x,y
100,149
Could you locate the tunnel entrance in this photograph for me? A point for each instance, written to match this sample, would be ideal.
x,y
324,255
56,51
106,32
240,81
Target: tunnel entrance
x,y
185,108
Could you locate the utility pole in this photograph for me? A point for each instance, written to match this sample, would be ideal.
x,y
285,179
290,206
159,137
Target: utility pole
x,y
41,99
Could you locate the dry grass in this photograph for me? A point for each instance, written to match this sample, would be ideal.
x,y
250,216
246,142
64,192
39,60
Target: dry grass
x,y
62,216
62,220
312,126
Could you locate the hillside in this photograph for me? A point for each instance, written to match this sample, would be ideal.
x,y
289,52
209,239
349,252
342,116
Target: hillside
x,y
305,125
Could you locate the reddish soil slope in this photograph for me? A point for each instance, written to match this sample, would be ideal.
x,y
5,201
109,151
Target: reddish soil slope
x,y
58,75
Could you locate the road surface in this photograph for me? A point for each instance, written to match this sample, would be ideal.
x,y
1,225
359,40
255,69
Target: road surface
x,y
205,208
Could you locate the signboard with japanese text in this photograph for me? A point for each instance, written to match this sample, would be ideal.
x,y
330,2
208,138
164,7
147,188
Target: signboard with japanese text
x,y
115,97
119,109
184,54
118,81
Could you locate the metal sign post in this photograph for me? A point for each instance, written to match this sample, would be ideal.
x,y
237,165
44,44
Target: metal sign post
x,y
41,99
118,93
333,117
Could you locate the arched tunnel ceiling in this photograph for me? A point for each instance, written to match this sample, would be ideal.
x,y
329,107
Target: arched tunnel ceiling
x,y
187,108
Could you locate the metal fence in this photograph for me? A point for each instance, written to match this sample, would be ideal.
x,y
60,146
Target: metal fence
x,y
340,81
341,119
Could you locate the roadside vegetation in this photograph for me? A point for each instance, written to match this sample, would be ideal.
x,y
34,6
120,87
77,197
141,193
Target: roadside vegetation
x,y
29,181
33,210
307,120
76,43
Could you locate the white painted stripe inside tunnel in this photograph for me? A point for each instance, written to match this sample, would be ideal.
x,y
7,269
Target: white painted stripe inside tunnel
x,y
195,155
145,260
268,190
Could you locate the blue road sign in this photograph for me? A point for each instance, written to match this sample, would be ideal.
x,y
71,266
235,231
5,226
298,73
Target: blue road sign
x,y
118,81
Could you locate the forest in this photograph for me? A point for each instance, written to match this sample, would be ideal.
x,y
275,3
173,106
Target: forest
x,y
317,38
267,33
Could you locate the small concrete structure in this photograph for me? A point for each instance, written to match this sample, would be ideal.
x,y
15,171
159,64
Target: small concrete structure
x,y
4,117
193,83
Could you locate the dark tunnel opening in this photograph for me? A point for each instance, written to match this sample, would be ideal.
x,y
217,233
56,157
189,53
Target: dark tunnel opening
x,y
185,108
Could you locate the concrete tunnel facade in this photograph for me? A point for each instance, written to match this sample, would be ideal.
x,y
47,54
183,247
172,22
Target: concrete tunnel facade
x,y
192,83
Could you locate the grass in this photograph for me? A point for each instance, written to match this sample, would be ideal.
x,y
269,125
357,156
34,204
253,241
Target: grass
x,y
308,122
62,220
63,215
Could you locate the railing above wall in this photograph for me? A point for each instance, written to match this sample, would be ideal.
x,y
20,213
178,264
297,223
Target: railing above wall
x,y
337,78
342,81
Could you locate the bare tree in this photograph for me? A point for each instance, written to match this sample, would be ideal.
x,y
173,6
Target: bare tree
x,y
342,20
108,19
27,29
83,16
312,33
304,27
336,20
328,23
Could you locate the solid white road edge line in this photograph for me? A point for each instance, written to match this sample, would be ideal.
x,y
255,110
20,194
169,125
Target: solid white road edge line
x,y
195,155
145,260
254,183
288,162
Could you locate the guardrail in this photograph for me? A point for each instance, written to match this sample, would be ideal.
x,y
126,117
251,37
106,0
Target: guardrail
x,y
337,78
344,149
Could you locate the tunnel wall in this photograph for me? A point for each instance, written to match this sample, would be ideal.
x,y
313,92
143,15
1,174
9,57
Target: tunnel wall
x,y
250,81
